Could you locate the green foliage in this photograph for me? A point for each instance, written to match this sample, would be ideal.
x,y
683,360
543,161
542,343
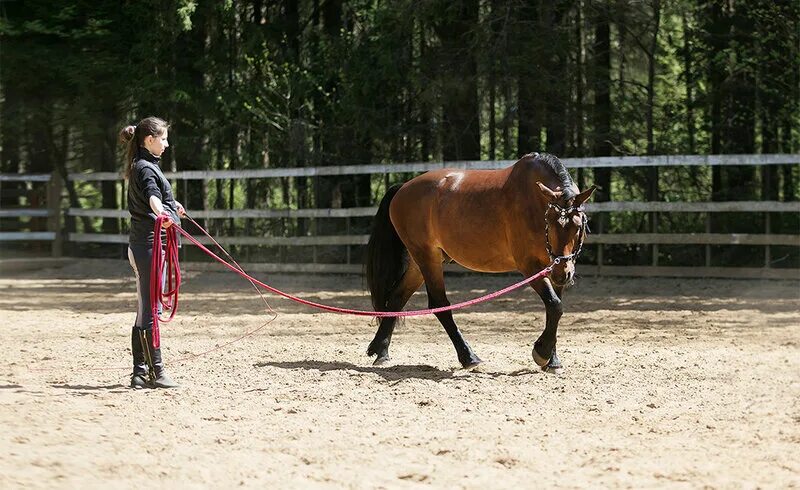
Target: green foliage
x,y
258,84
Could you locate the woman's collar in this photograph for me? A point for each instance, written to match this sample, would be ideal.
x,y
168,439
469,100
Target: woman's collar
x,y
145,154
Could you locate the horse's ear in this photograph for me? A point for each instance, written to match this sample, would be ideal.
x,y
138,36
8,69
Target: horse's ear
x,y
549,194
584,196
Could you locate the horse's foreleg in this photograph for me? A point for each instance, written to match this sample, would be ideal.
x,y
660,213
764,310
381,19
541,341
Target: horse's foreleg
x,y
554,365
437,297
409,283
544,349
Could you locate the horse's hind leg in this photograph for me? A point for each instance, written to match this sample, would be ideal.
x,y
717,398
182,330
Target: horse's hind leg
x,y
433,273
409,283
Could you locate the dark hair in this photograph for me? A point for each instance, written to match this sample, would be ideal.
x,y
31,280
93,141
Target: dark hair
x,y
133,138
557,166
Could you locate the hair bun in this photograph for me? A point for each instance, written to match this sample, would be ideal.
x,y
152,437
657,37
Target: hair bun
x,y
126,134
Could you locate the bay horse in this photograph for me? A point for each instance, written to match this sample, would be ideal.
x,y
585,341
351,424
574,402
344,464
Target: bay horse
x,y
520,218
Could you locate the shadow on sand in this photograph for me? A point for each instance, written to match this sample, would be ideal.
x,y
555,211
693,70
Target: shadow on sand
x,y
87,389
394,373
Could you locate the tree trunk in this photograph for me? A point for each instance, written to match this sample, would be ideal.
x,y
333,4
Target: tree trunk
x,y
61,167
689,80
601,79
492,107
620,18
424,123
41,157
105,150
787,171
740,110
652,172
460,111
507,88
602,99
189,143
12,110
530,107
557,88
233,126
774,100
651,77
716,29
327,189
579,149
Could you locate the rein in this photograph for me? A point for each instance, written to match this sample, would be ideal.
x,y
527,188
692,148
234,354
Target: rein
x,y
168,297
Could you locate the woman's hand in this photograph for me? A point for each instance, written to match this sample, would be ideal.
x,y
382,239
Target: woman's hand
x,y
181,211
167,220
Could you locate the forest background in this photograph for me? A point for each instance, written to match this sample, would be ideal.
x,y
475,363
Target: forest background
x,y
262,84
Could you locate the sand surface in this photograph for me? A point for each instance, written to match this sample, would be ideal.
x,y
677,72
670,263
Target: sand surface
x,y
667,383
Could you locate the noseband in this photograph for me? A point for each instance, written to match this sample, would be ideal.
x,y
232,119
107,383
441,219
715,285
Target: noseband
x,y
563,214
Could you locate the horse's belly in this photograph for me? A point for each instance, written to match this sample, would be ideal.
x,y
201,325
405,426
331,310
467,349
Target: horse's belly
x,y
486,267
486,258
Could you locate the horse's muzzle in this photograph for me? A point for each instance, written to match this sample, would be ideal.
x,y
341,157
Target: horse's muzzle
x,y
565,284
564,277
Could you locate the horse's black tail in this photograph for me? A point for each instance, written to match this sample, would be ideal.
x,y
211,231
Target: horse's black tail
x,y
385,263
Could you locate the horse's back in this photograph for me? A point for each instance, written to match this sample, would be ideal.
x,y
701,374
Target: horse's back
x,y
444,190
462,212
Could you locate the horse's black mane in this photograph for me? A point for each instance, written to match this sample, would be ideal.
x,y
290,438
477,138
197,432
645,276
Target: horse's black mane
x,y
558,168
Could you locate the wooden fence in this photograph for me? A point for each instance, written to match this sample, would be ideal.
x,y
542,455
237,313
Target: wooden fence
x,y
55,211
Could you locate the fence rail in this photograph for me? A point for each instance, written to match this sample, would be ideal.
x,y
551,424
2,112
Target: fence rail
x,y
590,162
25,177
601,207
24,213
55,210
17,236
606,239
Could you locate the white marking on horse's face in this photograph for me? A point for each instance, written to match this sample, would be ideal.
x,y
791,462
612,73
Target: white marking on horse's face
x,y
453,179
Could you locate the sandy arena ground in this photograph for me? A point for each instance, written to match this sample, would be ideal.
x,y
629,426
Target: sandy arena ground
x,y
668,383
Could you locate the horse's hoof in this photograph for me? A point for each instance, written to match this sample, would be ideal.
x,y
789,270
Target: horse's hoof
x,y
470,366
381,361
539,360
557,370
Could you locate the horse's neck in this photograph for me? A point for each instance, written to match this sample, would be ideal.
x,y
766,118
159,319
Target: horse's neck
x,y
522,188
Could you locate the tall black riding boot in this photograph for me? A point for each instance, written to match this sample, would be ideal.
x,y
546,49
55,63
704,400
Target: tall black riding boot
x,y
139,375
160,378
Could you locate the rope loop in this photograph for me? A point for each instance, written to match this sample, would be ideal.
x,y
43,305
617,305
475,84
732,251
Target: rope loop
x,y
165,276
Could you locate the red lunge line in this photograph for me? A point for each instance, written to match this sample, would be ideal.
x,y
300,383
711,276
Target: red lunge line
x,y
172,253
164,290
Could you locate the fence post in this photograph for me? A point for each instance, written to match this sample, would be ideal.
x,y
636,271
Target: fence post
x,y
767,248
708,247
54,187
653,195
600,230
655,245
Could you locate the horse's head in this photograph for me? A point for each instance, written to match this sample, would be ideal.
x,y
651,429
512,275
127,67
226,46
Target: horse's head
x,y
565,226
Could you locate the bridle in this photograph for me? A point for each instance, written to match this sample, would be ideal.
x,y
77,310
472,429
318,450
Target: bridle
x,y
563,214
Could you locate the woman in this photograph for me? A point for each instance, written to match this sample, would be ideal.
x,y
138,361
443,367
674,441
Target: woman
x,y
149,195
